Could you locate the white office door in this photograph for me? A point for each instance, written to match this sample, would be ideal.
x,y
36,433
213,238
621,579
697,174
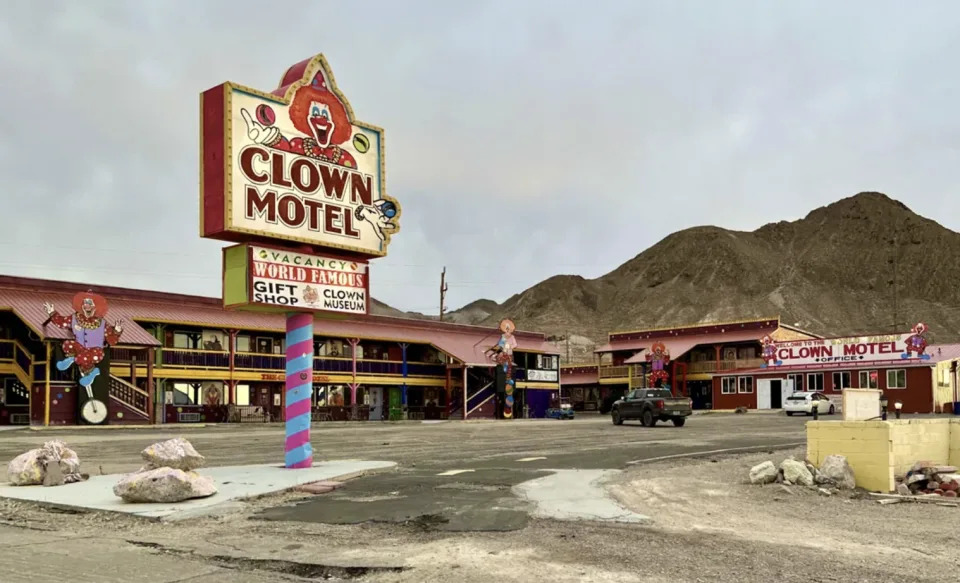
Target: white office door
x,y
763,393
788,388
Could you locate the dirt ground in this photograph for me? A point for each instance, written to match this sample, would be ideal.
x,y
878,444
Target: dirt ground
x,y
708,524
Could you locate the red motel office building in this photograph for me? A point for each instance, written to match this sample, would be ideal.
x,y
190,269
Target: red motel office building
x,y
721,366
924,383
184,359
695,354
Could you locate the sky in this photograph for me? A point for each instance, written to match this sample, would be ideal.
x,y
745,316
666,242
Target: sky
x,y
524,139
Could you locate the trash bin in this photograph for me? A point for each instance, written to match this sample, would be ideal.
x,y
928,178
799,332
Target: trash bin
x,y
956,408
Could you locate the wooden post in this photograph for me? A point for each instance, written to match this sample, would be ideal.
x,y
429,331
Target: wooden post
x,y
151,390
404,370
447,388
465,368
231,396
353,385
46,403
133,369
718,348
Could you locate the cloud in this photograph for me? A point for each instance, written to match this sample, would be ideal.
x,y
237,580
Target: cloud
x,y
523,139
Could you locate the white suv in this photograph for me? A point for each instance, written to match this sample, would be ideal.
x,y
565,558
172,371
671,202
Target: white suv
x,y
804,402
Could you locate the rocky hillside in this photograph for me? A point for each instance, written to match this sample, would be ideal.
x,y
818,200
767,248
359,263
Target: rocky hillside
x,y
830,272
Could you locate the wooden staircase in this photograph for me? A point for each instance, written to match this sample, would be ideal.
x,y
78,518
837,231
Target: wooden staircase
x,y
128,404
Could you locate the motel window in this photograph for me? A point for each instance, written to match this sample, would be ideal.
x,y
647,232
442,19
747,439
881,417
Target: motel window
x,y
181,340
546,362
264,345
728,385
869,379
841,380
243,395
897,379
814,382
243,344
745,384
797,381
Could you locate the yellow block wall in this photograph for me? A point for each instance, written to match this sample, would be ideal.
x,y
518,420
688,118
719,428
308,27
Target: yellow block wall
x,y
866,445
879,450
917,440
955,444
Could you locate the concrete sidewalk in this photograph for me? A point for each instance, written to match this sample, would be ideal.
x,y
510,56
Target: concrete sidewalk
x,y
234,483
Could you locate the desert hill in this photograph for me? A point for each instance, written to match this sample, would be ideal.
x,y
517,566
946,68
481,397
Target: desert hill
x,y
831,272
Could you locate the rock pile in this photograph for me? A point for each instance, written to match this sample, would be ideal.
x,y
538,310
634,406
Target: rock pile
x,y
929,478
834,472
167,476
51,464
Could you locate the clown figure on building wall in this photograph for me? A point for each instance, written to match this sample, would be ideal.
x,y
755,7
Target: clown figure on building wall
x,y
90,334
769,352
916,343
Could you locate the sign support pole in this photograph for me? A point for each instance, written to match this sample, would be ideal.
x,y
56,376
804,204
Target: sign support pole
x,y
298,453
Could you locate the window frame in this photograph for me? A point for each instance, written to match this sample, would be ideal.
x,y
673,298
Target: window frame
x,y
740,390
817,389
794,377
833,378
895,371
723,389
865,374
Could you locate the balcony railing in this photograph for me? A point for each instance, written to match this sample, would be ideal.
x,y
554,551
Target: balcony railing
x,y
614,372
179,357
14,352
713,366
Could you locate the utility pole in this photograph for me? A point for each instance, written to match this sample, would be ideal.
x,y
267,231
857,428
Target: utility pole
x,y
443,294
894,261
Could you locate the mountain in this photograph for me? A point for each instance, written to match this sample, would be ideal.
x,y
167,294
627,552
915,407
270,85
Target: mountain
x,y
832,272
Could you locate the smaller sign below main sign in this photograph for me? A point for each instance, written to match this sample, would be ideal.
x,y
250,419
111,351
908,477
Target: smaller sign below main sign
x,y
547,376
278,279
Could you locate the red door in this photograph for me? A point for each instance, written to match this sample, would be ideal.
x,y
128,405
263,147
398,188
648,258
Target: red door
x,y
38,399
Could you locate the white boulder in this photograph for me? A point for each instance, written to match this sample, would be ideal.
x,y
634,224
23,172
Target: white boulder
x,y
175,453
765,473
837,470
164,485
30,468
796,472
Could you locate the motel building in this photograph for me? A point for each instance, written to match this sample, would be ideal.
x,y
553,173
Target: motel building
x,y
922,383
184,359
689,357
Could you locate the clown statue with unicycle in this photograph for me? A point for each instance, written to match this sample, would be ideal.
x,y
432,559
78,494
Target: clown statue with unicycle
x,y
91,334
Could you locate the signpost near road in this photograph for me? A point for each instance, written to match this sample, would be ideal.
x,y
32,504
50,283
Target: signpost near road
x,y
297,183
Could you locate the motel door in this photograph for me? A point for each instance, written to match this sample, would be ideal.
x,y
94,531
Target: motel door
x,y
376,403
770,393
396,410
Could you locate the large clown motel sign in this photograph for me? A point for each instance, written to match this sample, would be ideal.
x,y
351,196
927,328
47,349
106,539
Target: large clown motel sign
x,y
297,183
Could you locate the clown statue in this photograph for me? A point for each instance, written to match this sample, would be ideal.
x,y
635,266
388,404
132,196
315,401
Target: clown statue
x,y
90,335
502,354
658,358
916,344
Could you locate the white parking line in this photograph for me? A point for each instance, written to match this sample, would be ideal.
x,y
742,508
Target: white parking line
x,y
728,450
531,459
453,472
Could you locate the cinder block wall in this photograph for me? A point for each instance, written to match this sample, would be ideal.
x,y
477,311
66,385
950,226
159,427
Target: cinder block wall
x,y
917,440
879,450
955,443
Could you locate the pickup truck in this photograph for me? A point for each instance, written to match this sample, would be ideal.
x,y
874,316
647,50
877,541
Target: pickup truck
x,y
650,406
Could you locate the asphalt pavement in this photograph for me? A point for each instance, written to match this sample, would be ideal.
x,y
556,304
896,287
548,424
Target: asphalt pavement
x,y
457,476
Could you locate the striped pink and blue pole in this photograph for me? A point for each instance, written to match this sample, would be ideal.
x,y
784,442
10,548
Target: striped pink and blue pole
x,y
298,452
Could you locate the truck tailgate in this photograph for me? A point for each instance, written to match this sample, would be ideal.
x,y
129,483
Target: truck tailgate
x,y
676,405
